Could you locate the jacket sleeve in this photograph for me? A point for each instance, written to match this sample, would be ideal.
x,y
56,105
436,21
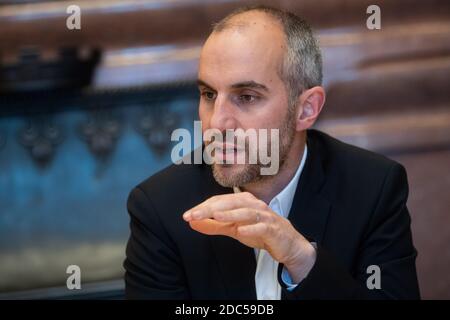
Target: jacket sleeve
x,y
153,269
387,244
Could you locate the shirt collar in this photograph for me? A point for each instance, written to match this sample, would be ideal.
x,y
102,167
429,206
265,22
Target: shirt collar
x,y
282,202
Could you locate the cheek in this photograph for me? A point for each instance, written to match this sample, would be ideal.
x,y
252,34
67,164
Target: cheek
x,y
279,112
272,117
273,112
203,115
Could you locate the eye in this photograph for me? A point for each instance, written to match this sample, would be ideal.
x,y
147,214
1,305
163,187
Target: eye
x,y
247,98
208,95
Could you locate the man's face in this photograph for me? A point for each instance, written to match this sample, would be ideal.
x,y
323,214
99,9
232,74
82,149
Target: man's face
x,y
240,88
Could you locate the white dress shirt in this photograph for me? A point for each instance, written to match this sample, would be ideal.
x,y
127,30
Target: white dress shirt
x,y
266,279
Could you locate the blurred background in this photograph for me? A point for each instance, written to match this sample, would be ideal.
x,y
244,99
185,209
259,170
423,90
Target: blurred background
x,y
87,114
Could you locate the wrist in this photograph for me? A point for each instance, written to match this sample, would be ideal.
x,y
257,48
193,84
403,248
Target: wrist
x,y
301,261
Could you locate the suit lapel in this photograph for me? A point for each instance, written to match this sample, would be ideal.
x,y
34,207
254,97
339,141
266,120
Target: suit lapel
x,y
310,209
237,264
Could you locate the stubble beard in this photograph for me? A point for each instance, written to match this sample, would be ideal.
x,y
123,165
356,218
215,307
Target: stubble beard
x,y
235,175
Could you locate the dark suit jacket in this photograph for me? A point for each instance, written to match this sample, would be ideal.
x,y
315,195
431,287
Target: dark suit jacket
x,y
350,201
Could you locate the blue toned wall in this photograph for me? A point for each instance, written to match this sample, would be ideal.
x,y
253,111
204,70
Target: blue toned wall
x,y
63,201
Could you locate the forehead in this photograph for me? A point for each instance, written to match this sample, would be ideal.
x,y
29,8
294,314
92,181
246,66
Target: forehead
x,y
251,48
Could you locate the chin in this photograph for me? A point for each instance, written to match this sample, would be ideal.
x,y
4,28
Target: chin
x,y
234,175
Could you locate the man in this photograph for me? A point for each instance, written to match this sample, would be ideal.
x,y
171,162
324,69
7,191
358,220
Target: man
x,y
331,224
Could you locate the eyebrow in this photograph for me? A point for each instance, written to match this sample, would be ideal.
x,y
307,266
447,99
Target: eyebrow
x,y
202,83
245,84
250,84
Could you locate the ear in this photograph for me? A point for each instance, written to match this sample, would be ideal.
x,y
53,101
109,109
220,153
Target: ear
x,y
309,107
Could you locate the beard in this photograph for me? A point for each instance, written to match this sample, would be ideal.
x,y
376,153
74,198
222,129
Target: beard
x,y
235,175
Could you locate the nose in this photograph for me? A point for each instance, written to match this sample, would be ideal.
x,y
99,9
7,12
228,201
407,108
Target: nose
x,y
223,117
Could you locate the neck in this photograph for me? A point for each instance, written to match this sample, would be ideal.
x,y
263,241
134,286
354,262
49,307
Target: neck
x,y
268,187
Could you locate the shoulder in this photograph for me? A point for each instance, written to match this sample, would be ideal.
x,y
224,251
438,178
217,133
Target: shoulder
x,y
159,201
354,172
186,182
173,177
346,157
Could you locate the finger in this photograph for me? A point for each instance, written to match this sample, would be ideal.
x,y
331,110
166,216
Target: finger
x,y
224,202
253,230
211,227
248,215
